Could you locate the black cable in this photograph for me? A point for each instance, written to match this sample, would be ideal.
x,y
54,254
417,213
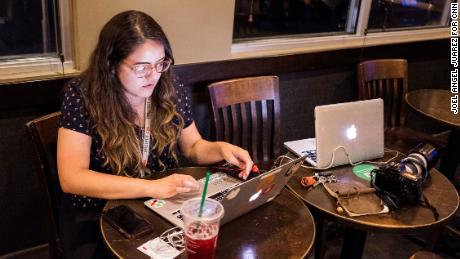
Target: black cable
x,y
57,28
361,55
62,59
427,204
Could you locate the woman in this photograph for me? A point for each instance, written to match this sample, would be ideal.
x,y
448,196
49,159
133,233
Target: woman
x,y
124,118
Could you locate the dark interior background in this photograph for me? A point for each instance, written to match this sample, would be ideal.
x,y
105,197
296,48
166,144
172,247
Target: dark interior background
x,y
306,80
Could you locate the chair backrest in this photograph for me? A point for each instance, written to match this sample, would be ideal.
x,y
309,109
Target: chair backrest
x,y
246,113
386,79
42,133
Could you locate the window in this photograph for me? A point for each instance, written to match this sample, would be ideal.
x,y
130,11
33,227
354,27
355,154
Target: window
x,y
269,18
392,14
27,28
271,27
31,38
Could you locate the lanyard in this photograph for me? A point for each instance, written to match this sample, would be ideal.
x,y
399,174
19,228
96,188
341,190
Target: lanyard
x,y
146,134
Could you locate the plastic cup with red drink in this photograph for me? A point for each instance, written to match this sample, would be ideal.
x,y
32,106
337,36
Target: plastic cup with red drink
x,y
201,232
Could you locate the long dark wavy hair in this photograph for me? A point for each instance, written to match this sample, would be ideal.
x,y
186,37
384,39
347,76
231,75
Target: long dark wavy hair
x,y
107,105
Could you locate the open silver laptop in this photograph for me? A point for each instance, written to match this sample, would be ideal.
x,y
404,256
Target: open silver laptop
x,y
355,128
236,196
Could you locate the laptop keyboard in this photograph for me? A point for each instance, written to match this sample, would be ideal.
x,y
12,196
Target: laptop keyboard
x,y
234,171
218,197
235,174
310,153
178,215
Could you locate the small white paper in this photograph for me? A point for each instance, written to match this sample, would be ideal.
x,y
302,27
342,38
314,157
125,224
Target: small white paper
x,y
158,249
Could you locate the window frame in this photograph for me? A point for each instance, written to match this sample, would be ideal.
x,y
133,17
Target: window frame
x,y
31,67
362,38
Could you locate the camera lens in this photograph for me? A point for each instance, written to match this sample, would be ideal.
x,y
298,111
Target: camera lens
x,y
414,164
429,152
419,161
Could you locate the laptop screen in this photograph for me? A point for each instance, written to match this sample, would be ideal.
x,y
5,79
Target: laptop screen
x,y
353,128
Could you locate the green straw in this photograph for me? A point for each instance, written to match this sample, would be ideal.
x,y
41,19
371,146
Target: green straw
x,y
203,196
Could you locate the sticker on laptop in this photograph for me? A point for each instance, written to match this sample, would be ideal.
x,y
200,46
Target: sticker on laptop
x,y
157,203
267,183
268,189
232,194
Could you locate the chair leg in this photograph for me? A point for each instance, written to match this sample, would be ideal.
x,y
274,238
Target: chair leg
x,y
353,243
451,159
433,238
320,241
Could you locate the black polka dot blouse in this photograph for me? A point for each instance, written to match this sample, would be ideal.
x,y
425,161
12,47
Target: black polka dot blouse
x,y
75,117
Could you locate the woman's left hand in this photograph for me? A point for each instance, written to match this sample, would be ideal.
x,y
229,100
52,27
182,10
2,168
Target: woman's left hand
x,y
237,156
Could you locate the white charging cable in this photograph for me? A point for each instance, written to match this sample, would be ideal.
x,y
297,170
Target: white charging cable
x,y
397,153
174,237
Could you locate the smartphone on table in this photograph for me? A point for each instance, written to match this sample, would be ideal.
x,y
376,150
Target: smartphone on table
x,y
127,221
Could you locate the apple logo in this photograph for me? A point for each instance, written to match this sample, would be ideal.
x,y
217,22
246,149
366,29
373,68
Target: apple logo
x,y
255,195
351,132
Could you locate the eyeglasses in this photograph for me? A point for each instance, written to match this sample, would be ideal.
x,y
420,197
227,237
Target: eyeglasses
x,y
144,70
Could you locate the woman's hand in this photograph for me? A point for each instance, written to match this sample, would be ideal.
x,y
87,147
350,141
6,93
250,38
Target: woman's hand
x,y
237,156
203,152
171,185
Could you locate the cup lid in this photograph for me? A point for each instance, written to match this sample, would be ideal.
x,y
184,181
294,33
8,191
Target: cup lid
x,y
212,209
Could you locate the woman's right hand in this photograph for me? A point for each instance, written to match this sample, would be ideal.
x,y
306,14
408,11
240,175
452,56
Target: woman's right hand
x,y
171,185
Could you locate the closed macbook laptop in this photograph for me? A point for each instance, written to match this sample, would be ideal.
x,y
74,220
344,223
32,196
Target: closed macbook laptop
x,y
353,128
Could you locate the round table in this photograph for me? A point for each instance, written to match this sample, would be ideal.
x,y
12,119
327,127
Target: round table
x,y
283,228
439,191
435,105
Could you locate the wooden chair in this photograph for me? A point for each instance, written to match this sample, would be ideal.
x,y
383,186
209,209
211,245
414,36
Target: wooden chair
x,y
388,79
246,113
42,133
